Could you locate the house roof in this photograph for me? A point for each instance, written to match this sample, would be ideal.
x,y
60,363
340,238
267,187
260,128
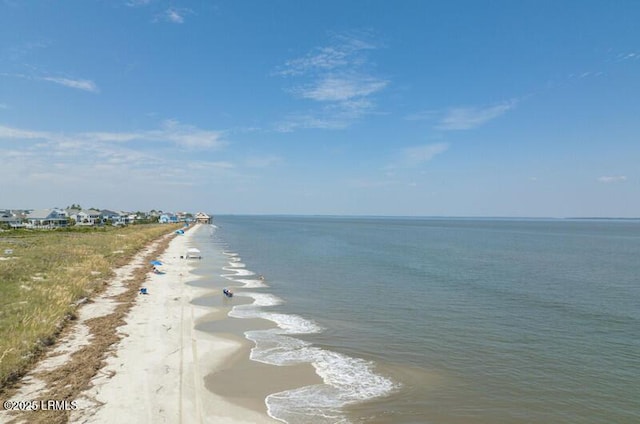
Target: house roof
x,y
46,214
4,218
39,214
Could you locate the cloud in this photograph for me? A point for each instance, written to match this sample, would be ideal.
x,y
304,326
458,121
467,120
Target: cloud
x,y
137,3
465,118
338,88
628,56
417,155
174,15
612,179
585,75
310,120
16,133
347,50
462,118
414,157
80,84
189,136
171,131
332,116
337,78
123,164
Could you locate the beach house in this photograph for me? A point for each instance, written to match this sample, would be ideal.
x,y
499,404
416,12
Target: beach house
x,y
167,218
47,218
87,217
10,219
113,217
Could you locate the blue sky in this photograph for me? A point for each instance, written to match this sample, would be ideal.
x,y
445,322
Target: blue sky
x,y
456,108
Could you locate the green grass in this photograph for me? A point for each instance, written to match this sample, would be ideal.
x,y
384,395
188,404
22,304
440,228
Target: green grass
x,y
47,273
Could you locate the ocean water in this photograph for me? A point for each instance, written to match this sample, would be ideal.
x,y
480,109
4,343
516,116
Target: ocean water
x,y
443,320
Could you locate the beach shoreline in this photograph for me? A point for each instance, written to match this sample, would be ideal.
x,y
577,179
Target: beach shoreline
x,y
159,366
155,372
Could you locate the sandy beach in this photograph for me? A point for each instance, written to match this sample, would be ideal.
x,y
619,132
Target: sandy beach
x,y
156,372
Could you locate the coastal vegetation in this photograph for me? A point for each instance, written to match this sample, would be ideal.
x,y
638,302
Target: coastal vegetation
x,y
44,275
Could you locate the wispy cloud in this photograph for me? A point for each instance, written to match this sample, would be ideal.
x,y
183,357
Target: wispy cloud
x,y
171,131
173,15
17,133
415,156
347,50
333,116
608,179
137,3
339,88
174,154
634,55
189,135
80,84
337,78
463,118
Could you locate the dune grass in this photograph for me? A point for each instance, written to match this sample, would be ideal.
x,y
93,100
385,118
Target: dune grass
x,y
45,276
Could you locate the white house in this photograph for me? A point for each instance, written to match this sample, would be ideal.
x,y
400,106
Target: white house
x,y
87,217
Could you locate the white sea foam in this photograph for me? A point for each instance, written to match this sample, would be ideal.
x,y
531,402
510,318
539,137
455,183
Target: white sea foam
x,y
259,299
237,272
251,283
346,380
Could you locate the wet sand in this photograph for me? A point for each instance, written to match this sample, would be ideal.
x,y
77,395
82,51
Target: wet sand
x,y
247,383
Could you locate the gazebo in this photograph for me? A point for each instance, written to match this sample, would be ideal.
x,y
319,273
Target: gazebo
x,y
203,218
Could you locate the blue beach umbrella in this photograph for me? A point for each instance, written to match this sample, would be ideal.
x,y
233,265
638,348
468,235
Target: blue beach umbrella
x,y
156,262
